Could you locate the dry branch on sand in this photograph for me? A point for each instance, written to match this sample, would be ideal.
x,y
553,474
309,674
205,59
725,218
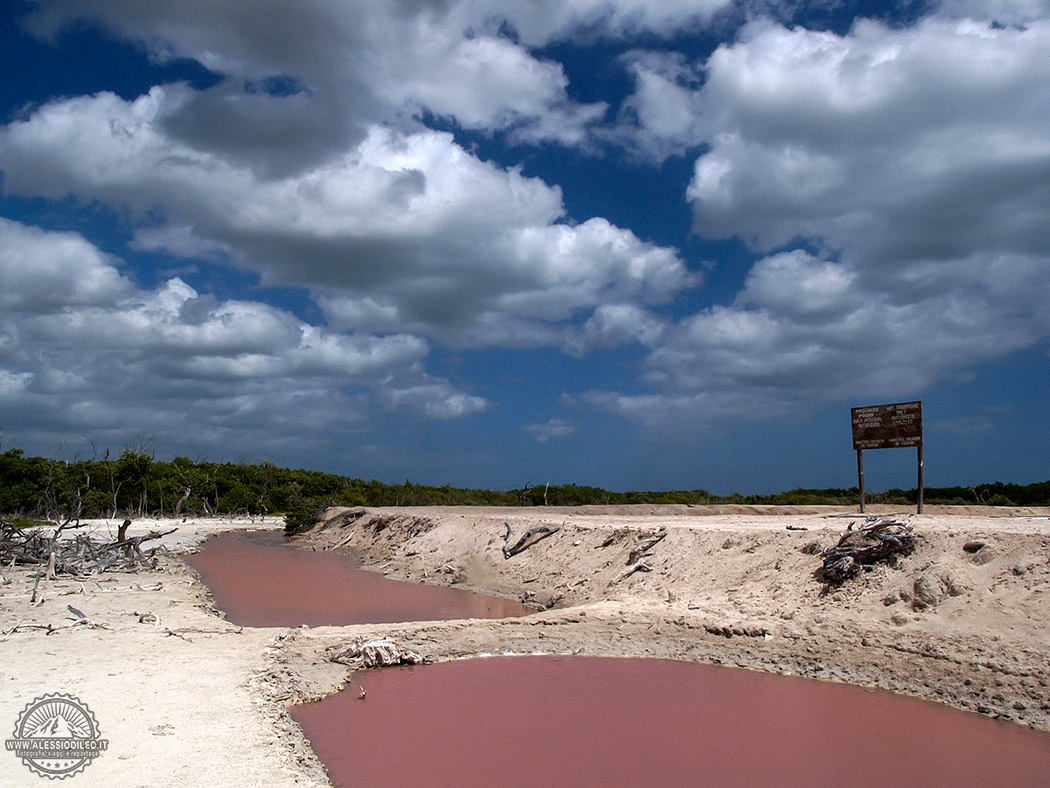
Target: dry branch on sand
x,y
527,540
879,539
80,556
637,566
642,549
644,545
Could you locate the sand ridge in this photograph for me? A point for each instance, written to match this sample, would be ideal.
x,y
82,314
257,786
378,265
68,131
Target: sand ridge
x,y
185,697
951,622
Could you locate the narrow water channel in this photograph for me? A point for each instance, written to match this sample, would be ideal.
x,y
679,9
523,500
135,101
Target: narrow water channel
x,y
590,721
259,581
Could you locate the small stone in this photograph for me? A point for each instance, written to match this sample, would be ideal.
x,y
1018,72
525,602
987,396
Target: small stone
x,y
932,586
984,555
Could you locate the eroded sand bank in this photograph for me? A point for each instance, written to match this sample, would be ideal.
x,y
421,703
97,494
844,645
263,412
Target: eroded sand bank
x,y
185,697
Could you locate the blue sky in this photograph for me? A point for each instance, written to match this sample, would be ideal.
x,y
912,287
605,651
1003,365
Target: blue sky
x,y
627,243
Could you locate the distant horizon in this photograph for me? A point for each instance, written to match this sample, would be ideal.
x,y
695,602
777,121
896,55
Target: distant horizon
x,y
618,243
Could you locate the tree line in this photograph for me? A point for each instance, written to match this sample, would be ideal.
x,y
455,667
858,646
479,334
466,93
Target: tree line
x,y
135,484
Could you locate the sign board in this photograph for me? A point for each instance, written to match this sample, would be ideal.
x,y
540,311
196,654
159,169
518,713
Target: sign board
x,y
893,426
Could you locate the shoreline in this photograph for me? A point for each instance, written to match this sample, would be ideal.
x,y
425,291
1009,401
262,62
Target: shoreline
x,y
734,588
180,694
183,695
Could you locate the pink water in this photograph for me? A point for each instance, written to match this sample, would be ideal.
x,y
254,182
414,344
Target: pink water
x,y
259,581
587,721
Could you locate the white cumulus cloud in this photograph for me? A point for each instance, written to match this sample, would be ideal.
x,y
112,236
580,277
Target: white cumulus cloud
x,y
100,353
910,165
404,232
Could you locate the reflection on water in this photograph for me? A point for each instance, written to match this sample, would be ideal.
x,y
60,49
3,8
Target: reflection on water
x,y
587,721
259,581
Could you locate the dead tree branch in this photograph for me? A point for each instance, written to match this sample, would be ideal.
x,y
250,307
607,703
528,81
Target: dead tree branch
x,y
182,502
527,540
637,566
879,539
644,544
79,556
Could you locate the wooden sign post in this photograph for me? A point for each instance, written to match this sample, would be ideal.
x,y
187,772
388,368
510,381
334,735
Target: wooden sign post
x,y
893,426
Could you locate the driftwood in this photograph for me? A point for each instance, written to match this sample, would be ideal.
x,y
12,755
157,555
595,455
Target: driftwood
x,y
644,544
51,629
183,631
637,566
879,539
527,540
642,549
613,538
80,556
375,654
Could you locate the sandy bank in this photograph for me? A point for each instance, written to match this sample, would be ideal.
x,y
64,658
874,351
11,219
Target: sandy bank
x,y
186,698
953,622
179,693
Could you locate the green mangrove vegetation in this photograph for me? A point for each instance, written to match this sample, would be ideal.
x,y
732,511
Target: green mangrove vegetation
x,y
135,484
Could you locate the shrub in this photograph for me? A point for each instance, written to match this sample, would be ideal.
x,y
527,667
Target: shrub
x,y
302,516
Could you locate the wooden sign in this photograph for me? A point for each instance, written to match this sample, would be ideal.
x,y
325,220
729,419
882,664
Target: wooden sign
x,y
893,426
